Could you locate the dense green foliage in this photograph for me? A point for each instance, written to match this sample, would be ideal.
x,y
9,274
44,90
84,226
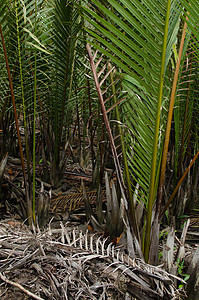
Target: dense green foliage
x,y
54,89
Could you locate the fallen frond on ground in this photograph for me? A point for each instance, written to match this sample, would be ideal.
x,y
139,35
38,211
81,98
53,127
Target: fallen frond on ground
x,y
66,263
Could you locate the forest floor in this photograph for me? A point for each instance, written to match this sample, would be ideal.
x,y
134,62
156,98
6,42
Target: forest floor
x,y
67,259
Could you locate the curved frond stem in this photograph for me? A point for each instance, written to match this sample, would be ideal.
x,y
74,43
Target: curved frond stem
x,y
155,230
126,169
170,114
156,136
117,164
110,136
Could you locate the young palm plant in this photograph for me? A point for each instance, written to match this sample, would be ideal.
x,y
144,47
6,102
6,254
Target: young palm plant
x,y
138,37
43,41
66,32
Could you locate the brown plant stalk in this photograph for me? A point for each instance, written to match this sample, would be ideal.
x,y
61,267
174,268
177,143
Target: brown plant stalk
x,y
18,133
112,144
170,114
153,256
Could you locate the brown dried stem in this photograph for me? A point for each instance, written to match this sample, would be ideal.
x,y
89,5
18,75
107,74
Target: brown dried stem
x,y
29,211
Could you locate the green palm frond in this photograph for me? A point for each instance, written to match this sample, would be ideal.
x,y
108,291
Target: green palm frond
x,y
67,27
25,19
134,40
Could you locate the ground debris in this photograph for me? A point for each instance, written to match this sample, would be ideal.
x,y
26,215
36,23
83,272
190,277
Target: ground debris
x,y
65,263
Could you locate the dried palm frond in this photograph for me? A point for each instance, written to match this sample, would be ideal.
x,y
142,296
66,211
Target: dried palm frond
x,y
66,263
